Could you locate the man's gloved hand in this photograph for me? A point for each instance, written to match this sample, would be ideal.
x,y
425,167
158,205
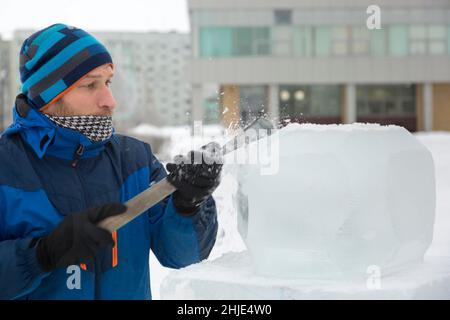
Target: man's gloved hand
x,y
195,176
76,239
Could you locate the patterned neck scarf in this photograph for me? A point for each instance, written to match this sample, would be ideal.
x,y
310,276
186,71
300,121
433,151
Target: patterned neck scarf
x,y
96,128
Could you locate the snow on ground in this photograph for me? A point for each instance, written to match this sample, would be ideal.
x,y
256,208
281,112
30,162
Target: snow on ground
x,y
232,276
228,237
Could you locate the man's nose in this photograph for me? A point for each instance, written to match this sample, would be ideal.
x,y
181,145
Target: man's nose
x,y
106,99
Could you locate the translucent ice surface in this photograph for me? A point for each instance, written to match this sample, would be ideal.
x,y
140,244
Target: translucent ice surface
x,y
344,200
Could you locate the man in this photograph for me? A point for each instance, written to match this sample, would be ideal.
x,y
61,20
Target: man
x,y
63,169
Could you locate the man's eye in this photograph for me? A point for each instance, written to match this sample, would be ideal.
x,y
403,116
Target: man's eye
x,y
108,82
91,85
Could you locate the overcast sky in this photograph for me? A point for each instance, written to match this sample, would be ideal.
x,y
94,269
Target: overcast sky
x,y
94,15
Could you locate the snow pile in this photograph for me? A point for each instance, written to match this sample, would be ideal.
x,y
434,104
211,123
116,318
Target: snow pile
x,y
167,142
178,133
184,139
232,276
145,129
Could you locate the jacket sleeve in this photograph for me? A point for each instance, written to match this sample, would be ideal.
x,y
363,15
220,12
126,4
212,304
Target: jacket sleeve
x,y
176,240
20,272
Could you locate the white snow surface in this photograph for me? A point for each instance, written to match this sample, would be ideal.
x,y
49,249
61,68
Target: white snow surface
x,y
232,276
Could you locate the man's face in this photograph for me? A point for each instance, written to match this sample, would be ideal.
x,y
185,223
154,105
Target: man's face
x,y
90,96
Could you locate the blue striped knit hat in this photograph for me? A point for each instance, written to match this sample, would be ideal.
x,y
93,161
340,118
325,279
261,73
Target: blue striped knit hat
x,y
52,60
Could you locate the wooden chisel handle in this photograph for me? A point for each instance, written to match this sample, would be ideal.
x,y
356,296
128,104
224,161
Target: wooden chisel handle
x,y
138,204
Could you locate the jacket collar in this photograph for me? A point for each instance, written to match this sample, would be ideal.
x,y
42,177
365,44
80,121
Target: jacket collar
x,y
46,138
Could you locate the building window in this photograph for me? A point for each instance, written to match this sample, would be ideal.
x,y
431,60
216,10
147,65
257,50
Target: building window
x,y
216,42
322,39
251,41
448,40
378,42
238,41
282,41
283,17
242,41
437,39
417,40
427,39
331,41
360,43
211,110
303,41
316,103
398,40
340,39
387,104
253,101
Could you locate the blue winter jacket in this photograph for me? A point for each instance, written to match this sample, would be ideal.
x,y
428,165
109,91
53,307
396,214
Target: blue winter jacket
x,y
39,186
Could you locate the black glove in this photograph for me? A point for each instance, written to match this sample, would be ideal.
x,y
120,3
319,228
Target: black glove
x,y
195,176
76,239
